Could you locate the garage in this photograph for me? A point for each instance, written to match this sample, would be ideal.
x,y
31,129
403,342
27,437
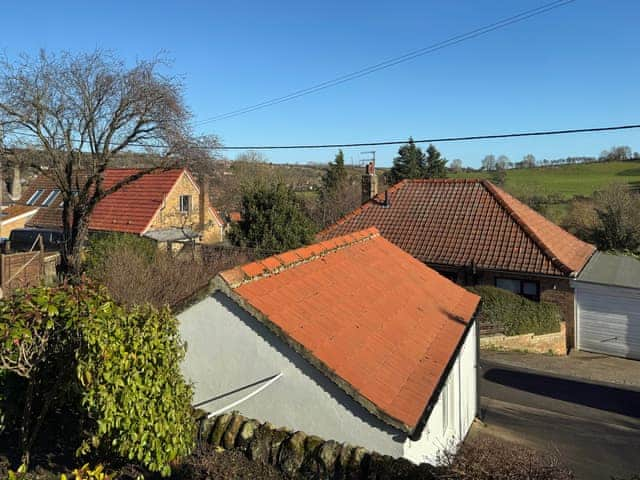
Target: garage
x,y
607,296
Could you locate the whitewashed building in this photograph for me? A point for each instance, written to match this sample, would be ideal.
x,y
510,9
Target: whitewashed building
x,y
351,339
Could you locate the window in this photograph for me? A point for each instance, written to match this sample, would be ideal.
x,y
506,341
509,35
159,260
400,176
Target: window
x,y
34,197
185,203
527,288
50,198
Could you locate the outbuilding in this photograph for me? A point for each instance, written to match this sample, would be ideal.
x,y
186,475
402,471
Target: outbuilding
x,y
351,339
607,296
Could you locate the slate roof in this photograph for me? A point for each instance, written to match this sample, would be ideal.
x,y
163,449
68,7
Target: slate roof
x,y
456,222
385,338
130,209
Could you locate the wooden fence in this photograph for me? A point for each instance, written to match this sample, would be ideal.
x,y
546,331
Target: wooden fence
x,y
26,269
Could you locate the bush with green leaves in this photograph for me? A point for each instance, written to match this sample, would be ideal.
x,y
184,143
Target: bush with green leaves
x,y
273,220
516,315
79,350
102,246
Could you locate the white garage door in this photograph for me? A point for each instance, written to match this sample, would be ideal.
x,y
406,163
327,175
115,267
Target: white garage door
x,y
608,320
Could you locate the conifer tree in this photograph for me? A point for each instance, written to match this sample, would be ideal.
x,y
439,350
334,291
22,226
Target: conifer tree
x,y
436,164
410,163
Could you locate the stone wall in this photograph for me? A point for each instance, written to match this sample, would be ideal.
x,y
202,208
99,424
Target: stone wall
x,y
170,215
548,343
299,455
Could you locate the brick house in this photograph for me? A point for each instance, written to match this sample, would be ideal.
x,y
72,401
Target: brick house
x,y
167,206
476,234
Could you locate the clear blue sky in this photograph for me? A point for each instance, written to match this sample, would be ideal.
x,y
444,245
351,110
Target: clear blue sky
x,y
577,66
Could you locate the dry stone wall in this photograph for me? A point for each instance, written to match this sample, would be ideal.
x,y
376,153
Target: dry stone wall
x,y
298,455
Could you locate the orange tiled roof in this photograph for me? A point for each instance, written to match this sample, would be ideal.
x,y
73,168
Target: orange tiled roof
x,y
130,209
378,322
459,222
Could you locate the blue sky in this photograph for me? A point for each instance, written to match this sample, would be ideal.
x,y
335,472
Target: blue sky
x,y
577,66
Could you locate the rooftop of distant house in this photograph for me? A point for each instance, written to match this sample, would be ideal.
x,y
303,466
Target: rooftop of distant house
x,y
467,223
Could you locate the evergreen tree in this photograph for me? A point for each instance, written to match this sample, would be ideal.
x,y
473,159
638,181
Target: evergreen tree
x,y
273,220
335,176
410,163
336,197
436,164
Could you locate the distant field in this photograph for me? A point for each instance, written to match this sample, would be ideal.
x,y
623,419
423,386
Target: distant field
x,y
566,180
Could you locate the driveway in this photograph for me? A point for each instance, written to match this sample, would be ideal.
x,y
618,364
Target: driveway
x,y
593,427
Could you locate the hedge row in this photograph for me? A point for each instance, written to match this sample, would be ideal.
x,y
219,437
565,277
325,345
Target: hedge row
x,y
516,315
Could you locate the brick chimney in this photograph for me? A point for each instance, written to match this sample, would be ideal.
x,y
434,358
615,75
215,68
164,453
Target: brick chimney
x,y
369,182
203,203
16,183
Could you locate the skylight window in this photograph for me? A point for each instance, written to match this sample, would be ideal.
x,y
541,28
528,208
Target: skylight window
x,y
36,195
50,198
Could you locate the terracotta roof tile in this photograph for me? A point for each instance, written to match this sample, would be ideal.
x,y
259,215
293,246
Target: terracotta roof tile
x,y
367,314
459,222
128,210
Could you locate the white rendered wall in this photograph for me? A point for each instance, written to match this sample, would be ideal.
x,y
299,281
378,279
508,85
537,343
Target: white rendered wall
x,y
449,424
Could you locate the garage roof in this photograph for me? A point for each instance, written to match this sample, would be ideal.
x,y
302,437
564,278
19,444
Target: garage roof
x,y
614,270
379,323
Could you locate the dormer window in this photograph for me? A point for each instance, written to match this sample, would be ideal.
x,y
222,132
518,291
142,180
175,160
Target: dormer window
x,y
50,198
34,198
185,203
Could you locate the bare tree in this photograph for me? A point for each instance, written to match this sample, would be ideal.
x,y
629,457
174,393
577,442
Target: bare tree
x,y
489,162
456,165
82,110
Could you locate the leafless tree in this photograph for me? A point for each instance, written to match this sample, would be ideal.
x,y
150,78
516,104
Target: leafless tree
x,y
82,110
456,165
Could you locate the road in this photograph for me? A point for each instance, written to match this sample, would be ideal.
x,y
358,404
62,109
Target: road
x,y
593,428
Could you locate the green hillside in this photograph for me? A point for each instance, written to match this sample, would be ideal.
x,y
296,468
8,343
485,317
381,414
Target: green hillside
x,y
566,180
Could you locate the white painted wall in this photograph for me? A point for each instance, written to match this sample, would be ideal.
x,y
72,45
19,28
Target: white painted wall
x,y
230,354
453,414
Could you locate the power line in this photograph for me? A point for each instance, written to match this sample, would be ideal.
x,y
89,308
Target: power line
x,y
436,140
467,138
393,61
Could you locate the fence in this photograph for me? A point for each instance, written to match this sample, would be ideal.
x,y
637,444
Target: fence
x,y
26,269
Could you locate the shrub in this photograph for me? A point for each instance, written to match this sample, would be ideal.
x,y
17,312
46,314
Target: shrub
x,y
514,314
487,458
273,220
120,369
135,271
101,247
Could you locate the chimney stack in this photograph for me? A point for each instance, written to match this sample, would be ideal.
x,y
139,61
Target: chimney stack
x,y
369,182
16,183
203,204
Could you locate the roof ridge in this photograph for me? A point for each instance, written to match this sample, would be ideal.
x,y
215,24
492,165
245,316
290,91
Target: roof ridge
x,y
496,193
280,262
377,198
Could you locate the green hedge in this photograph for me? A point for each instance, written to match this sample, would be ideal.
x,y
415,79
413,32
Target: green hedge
x,y
514,314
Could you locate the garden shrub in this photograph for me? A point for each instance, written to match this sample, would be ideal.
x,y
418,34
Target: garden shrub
x,y
514,314
122,367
